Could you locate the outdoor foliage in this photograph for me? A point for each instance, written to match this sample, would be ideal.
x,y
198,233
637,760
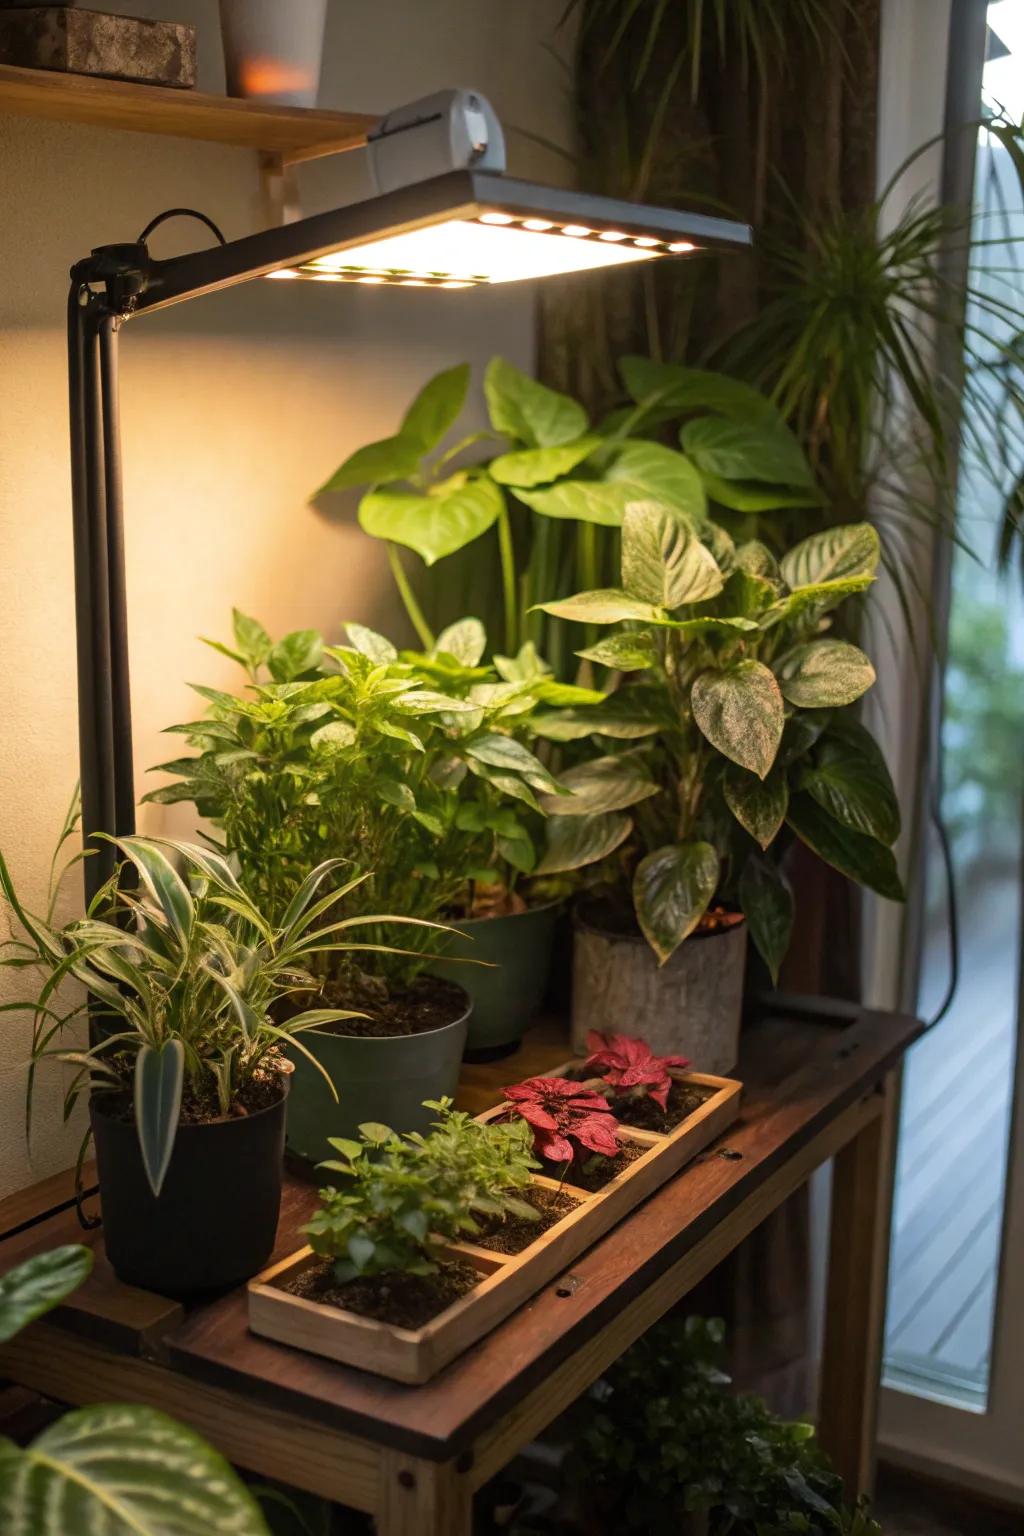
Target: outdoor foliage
x,y
630,1067
716,1452
185,978
123,1470
740,700
401,1195
417,769
567,1120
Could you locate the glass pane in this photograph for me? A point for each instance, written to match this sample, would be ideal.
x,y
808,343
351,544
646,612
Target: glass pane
x,y
955,1125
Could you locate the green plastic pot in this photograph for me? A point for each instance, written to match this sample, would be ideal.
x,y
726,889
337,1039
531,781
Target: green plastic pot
x,y
507,997
384,1079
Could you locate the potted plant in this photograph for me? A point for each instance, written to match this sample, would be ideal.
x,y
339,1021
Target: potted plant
x,y
414,770
187,1077
738,704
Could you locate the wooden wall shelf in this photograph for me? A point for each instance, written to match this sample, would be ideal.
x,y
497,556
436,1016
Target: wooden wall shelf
x,y
293,133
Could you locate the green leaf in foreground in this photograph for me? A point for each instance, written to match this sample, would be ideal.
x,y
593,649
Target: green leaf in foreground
x,y
850,780
122,1471
671,891
433,526
576,841
629,651
607,605
859,857
759,805
603,784
663,561
158,1083
767,904
825,674
740,711
33,1288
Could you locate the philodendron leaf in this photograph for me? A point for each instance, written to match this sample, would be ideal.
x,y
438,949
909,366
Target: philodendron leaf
x,y
653,472
835,553
663,562
824,674
572,842
158,1083
767,904
609,605
628,651
436,408
742,449
528,411
433,526
759,805
466,640
35,1287
754,496
677,390
603,784
849,778
393,458
671,891
122,1471
539,466
861,858
584,501
740,711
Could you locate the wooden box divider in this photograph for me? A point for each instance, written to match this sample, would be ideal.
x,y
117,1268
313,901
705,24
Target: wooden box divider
x,y
509,1280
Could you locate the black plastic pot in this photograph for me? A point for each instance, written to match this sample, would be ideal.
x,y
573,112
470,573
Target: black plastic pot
x,y
215,1220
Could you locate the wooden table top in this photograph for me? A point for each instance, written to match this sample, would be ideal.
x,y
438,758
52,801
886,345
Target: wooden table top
x,y
800,1069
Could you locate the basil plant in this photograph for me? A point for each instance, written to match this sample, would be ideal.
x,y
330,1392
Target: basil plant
x,y
735,724
418,770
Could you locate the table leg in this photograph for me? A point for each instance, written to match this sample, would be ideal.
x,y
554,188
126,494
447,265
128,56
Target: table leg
x,y
423,1498
862,1188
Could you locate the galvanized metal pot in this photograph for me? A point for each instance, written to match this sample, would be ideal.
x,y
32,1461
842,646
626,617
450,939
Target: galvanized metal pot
x,y
688,1007
507,997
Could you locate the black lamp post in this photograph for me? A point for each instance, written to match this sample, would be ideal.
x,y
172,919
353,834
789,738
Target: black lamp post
x,y
463,229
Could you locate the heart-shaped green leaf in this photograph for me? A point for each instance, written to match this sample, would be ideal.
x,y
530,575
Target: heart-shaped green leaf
x,y
671,891
433,526
855,855
746,450
158,1082
677,391
609,605
849,778
539,466
572,842
584,501
603,784
122,1471
740,711
627,651
824,674
759,805
832,555
653,472
436,408
663,562
754,496
528,411
393,458
35,1287
767,904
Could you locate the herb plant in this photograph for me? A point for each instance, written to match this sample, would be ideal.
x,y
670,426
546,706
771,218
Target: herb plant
x,y
402,1196
417,769
630,1067
185,976
738,701
567,1120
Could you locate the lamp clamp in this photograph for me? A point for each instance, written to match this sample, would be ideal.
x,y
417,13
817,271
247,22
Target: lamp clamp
x,y
122,269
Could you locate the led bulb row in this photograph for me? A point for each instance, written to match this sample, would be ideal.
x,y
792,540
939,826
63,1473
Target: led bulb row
x,y
582,232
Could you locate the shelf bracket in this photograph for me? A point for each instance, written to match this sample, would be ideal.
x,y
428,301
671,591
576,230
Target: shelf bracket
x,y
279,183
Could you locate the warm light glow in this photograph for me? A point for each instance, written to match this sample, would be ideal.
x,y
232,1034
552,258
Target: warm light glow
x,y
539,224
285,272
496,218
645,240
679,246
613,234
369,279
472,251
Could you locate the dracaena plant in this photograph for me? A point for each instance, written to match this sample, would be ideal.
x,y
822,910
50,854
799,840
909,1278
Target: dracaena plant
x,y
570,1123
402,1197
417,768
741,703
630,1068
185,974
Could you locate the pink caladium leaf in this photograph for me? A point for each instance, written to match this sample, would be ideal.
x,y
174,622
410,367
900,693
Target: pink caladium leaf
x,y
629,1066
565,1117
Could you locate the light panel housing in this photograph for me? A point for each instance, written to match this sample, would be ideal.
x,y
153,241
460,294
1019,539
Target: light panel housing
x,y
465,229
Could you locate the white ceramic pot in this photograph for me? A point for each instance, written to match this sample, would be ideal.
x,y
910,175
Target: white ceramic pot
x,y
273,49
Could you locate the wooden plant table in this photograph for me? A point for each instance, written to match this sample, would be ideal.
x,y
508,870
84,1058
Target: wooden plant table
x,y
820,1082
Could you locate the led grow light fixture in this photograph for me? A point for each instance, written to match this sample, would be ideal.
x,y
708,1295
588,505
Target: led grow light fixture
x,y
444,217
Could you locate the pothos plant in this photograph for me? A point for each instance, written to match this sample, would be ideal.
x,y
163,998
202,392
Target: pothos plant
x,y
741,702
418,769
575,478
400,1197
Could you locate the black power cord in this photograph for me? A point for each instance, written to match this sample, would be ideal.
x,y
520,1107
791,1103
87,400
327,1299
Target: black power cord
x,y
181,213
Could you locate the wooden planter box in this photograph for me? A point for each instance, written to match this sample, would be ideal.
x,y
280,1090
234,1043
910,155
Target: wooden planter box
x,y
509,1279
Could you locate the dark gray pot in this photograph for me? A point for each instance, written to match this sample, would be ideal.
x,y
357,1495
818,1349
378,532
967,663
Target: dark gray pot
x,y
385,1079
507,997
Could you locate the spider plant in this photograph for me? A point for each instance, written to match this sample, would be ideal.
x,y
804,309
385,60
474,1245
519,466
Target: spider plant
x,y
184,975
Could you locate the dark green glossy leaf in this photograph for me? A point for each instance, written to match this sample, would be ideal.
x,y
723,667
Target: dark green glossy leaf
x,y
759,805
753,496
158,1083
849,778
671,892
861,858
767,904
572,842
603,784
41,1283
741,449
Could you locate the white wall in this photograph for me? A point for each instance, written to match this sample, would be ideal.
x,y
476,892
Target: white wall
x,y
235,408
